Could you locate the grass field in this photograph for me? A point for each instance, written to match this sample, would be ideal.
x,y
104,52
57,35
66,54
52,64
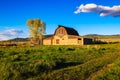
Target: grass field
x,y
88,62
108,39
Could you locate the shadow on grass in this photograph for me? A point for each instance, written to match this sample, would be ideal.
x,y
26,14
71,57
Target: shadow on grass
x,y
66,64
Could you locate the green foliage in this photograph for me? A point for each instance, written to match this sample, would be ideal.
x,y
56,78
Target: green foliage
x,y
112,72
37,30
60,62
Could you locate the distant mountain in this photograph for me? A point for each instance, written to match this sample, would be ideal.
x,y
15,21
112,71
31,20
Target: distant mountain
x,y
92,35
101,35
26,39
19,39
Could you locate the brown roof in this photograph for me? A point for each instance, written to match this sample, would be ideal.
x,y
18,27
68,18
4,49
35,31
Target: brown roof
x,y
70,31
48,38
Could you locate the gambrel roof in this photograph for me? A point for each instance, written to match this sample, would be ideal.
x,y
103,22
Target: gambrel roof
x,y
70,31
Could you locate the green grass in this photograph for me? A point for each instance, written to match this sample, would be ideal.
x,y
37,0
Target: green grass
x,y
88,62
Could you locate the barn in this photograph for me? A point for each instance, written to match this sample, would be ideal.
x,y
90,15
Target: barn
x,y
65,36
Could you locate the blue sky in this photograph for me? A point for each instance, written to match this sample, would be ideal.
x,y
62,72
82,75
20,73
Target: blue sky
x,y
15,13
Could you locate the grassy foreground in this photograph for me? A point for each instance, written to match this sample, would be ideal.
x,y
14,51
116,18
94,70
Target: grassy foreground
x,y
89,62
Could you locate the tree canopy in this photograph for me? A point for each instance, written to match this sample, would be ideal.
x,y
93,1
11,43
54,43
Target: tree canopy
x,y
36,30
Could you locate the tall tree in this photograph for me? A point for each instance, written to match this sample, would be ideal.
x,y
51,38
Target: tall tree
x,y
37,30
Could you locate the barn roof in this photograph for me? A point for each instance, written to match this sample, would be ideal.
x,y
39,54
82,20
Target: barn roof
x,y
70,31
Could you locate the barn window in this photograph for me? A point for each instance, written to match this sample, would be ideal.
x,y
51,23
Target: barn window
x,y
79,38
61,31
57,41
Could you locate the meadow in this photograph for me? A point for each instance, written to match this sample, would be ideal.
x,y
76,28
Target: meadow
x,y
88,62
107,38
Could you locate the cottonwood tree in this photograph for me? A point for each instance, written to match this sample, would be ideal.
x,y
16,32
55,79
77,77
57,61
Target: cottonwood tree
x,y
36,30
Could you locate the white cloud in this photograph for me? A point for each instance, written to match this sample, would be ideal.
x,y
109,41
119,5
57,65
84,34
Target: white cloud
x,y
13,32
102,10
5,35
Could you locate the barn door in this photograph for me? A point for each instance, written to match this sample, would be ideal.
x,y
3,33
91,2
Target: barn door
x,y
57,41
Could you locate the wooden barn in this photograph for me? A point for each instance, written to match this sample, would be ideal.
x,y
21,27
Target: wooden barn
x,y
66,36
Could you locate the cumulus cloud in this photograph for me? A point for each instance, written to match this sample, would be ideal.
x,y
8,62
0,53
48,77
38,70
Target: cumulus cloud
x,y
102,10
5,35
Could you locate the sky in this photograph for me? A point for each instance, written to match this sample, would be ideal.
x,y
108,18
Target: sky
x,y
86,16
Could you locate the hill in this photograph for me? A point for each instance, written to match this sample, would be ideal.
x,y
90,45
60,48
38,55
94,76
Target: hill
x,y
25,39
19,39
